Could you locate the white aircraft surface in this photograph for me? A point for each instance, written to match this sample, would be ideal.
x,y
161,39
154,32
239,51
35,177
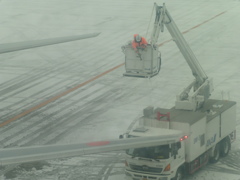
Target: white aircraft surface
x,y
75,93
17,46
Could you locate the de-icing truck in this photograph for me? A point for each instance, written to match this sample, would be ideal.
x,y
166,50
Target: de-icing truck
x,y
167,143
206,136
207,126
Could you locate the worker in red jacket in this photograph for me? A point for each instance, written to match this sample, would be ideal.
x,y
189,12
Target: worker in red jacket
x,y
139,41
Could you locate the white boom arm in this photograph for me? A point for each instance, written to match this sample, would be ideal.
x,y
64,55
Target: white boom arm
x,y
10,47
202,87
29,154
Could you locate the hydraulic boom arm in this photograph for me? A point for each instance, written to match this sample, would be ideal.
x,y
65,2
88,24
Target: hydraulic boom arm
x,y
202,87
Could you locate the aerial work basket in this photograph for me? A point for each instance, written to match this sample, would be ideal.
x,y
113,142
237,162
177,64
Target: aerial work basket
x,y
146,64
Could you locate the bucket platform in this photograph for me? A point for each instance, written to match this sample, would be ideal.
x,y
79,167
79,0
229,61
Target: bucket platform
x,y
146,64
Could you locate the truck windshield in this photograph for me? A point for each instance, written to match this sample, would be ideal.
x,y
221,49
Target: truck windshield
x,y
156,152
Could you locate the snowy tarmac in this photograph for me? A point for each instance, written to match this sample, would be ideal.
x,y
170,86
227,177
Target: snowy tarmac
x,y
106,106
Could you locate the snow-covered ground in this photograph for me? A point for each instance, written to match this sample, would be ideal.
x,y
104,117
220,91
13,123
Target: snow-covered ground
x,y
105,107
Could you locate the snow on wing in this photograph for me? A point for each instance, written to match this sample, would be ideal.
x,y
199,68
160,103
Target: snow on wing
x,y
35,153
10,47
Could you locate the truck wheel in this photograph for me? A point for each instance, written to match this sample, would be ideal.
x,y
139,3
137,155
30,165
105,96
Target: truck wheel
x,y
216,154
225,146
179,175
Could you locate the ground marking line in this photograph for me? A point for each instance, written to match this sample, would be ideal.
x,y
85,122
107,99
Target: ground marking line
x,y
58,96
88,81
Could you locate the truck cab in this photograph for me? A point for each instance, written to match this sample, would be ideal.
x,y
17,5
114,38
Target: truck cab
x,y
157,162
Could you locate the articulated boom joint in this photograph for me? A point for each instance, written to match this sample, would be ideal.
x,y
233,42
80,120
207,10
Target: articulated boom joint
x,y
201,86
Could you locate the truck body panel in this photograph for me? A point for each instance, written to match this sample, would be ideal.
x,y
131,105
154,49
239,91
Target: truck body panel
x,y
200,131
204,128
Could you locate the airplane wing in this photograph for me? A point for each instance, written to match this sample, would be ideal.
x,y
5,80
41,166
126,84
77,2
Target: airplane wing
x,y
10,47
35,153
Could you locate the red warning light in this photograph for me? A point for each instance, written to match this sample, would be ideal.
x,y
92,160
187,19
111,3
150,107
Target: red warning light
x,y
183,138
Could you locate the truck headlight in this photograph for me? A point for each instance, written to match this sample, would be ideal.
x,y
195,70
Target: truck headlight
x,y
167,168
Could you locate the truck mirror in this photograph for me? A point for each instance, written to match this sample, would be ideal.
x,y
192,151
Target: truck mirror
x,y
175,152
178,145
174,149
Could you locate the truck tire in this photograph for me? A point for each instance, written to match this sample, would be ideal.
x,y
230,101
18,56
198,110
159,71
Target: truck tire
x,y
225,146
216,154
179,174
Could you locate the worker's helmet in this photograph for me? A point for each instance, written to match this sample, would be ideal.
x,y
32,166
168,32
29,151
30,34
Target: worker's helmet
x,y
138,38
